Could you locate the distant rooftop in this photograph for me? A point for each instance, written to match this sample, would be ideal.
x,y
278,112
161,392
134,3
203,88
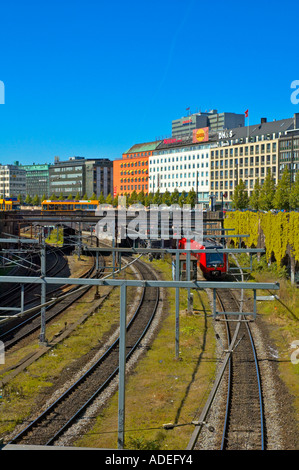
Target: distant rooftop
x,y
145,147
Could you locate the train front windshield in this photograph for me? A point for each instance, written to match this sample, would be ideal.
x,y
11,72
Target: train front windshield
x,y
214,259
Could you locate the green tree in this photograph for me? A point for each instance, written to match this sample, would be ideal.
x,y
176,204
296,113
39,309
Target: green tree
x,y
115,201
191,198
255,197
53,197
28,199
133,198
36,200
267,193
44,197
182,198
77,197
282,193
175,195
85,197
148,199
94,197
166,198
20,199
109,199
101,198
157,199
70,197
294,194
141,197
240,198
61,197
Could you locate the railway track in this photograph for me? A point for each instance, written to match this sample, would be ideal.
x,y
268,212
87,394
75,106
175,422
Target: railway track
x,y
243,420
59,416
56,264
24,327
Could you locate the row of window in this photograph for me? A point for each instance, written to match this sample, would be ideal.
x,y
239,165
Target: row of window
x,y
131,180
140,154
178,184
231,184
143,163
179,175
252,149
133,172
180,167
268,159
247,172
287,144
173,159
133,187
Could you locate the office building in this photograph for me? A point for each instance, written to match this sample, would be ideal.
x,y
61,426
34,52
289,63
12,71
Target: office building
x,y
12,181
81,176
37,180
131,172
248,153
212,119
181,164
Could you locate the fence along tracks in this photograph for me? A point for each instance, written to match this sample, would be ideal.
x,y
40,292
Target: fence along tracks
x,y
58,417
243,427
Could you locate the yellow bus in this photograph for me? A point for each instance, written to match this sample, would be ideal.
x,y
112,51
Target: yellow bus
x,y
9,204
83,205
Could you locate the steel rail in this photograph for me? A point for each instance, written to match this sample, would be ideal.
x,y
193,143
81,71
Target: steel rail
x,y
86,374
261,407
50,316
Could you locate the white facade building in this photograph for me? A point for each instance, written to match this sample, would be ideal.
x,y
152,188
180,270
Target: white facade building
x,y
182,168
12,181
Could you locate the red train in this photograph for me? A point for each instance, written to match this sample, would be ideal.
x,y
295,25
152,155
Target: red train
x,y
211,264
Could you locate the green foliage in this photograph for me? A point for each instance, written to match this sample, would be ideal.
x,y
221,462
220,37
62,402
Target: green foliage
x,y
157,199
191,198
141,197
101,198
294,194
280,230
183,198
77,197
282,193
28,199
109,199
240,197
267,193
175,195
166,198
36,200
254,200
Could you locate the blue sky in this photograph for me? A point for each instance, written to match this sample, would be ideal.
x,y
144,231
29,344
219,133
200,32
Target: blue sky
x,y
93,78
